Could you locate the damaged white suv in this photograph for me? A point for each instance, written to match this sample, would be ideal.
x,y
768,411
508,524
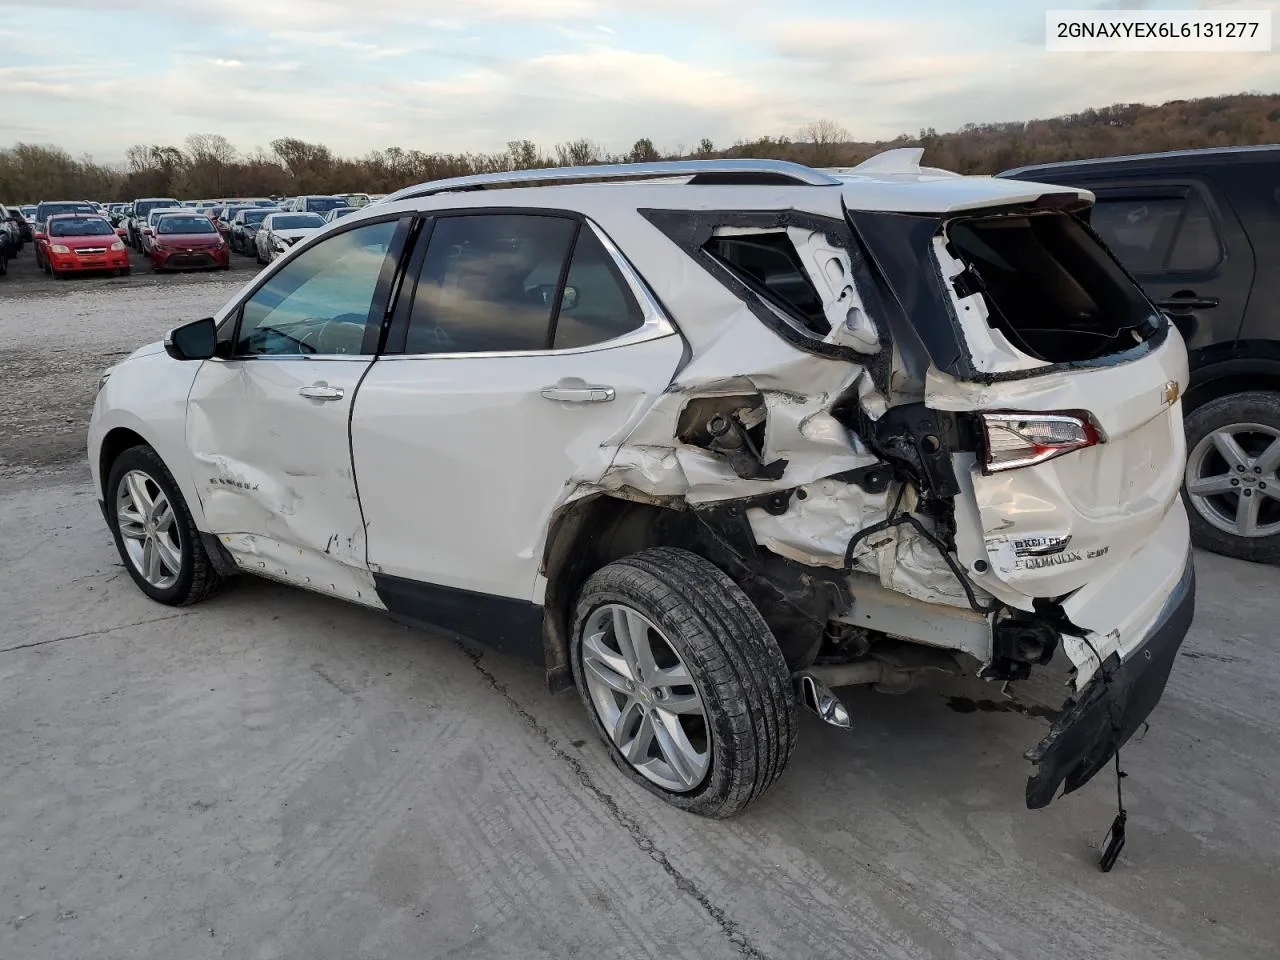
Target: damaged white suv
x,y
703,439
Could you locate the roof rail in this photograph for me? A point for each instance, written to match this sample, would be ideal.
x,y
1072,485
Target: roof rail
x,y
719,171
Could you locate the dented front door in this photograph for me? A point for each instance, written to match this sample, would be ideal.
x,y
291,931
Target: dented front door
x,y
268,427
272,461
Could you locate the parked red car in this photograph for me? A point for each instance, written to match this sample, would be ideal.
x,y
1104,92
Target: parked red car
x,y
188,241
72,242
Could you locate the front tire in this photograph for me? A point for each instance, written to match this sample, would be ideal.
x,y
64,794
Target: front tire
x,y
154,532
1232,483
683,681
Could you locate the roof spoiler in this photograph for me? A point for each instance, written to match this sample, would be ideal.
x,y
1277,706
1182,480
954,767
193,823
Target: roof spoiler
x,y
898,161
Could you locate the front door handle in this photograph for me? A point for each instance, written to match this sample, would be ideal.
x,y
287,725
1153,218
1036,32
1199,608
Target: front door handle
x,y
1187,303
321,391
583,394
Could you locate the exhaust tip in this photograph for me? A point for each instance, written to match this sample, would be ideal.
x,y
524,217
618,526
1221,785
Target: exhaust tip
x,y
816,696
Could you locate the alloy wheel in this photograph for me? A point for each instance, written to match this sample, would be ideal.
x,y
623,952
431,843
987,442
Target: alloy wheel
x,y
148,529
645,698
1232,479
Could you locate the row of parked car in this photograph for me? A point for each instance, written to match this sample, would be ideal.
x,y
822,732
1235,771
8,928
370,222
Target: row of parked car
x,y
83,235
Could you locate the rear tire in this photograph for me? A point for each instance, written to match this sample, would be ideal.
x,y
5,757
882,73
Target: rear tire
x,y
1220,512
195,579
733,664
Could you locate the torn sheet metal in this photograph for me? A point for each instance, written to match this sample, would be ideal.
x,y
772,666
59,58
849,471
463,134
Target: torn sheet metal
x,y
267,557
990,349
820,518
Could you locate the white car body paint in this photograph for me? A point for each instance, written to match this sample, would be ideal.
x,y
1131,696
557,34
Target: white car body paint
x,y
147,394
427,433
273,468
297,235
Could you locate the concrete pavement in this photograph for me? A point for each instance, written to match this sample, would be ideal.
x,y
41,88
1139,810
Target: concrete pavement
x,y
275,774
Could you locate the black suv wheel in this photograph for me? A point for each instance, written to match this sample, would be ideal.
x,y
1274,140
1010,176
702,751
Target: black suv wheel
x,y
1233,475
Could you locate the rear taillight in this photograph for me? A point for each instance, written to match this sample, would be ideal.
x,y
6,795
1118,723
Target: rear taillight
x,y
1016,440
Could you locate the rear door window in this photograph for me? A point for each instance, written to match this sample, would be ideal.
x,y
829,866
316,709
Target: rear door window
x,y
488,284
597,305
1151,235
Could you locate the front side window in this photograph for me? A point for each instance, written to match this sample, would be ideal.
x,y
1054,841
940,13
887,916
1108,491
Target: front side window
x,y
1152,235
319,302
488,284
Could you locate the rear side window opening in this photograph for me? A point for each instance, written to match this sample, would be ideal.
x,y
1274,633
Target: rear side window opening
x,y
769,264
1053,291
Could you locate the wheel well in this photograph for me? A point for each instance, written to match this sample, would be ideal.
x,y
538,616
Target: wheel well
x,y
1224,386
585,536
796,601
116,442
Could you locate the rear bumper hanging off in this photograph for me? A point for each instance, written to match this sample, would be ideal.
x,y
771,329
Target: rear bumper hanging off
x,y
1102,717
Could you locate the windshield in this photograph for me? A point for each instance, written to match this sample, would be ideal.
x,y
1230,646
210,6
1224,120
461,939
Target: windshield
x,y
296,221
185,224
47,210
255,216
154,216
80,227
28,212
143,207
324,204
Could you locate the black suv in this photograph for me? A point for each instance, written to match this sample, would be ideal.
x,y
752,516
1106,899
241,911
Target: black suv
x,y
1200,230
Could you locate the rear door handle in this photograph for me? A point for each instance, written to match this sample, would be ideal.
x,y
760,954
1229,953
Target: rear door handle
x,y
584,394
1187,303
321,391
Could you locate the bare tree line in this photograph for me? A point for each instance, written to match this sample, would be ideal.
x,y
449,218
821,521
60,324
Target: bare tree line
x,y
209,165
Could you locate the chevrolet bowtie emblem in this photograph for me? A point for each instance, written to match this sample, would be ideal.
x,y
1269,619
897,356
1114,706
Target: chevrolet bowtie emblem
x,y
1169,393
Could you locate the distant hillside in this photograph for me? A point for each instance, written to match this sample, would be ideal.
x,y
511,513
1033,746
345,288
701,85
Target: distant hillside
x,y
1237,120
208,165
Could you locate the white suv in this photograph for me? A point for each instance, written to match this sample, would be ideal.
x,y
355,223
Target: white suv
x,y
704,439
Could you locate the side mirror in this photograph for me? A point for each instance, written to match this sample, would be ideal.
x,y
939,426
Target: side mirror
x,y
121,232
197,340
40,235
146,231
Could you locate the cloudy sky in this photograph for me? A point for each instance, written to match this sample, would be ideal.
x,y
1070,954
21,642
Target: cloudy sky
x,y
97,75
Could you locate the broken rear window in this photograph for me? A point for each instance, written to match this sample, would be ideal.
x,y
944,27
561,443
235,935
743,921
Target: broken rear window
x,y
769,264
1050,287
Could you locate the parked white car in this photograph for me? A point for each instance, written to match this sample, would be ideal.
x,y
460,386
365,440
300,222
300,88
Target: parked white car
x,y
280,231
704,448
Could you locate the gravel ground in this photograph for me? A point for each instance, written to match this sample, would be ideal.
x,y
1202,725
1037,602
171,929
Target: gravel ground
x,y
274,774
58,335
